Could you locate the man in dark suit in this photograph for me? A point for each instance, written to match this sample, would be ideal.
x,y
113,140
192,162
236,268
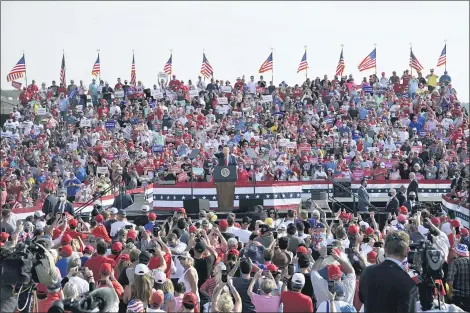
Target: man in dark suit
x,y
49,202
395,291
224,157
401,195
123,200
63,205
456,182
363,195
413,186
392,204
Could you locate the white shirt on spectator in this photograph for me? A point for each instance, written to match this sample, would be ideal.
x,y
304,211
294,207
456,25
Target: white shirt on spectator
x,y
320,287
116,226
82,285
242,234
251,86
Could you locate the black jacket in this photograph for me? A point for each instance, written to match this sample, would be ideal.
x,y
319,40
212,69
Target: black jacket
x,y
395,291
392,205
413,186
68,208
122,201
49,204
401,198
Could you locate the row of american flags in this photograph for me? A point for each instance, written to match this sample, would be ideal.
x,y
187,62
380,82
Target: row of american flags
x,y
369,62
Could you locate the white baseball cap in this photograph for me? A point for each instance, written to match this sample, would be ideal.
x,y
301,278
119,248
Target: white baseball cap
x,y
113,210
145,208
158,276
141,269
298,279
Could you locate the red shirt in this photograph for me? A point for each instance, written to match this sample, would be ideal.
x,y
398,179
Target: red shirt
x,y
155,263
94,264
174,84
243,176
100,231
296,302
45,304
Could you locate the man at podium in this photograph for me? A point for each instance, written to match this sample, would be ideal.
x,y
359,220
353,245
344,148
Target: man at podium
x,y
225,158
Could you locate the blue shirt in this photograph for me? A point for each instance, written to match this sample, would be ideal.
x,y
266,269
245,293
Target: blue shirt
x,y
363,113
416,125
80,173
64,105
93,89
62,266
72,190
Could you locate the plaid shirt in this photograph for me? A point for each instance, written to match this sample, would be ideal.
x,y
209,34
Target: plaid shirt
x,y
459,274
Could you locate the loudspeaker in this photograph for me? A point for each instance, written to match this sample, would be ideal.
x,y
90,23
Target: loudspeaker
x,y
193,206
247,205
318,195
339,192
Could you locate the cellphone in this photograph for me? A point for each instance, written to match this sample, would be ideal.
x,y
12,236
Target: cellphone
x,y
329,248
331,286
224,276
290,269
366,240
152,251
128,227
81,269
336,221
275,234
457,230
378,244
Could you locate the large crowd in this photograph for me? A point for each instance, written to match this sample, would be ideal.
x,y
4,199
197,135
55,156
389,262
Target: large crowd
x,y
58,142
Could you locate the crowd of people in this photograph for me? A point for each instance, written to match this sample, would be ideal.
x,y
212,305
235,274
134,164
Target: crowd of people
x,y
300,263
84,138
58,142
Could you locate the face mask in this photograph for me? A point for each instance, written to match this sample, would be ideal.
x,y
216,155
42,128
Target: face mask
x,y
389,194
62,198
412,197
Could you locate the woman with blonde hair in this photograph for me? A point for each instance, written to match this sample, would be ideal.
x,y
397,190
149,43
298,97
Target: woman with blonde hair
x,y
222,302
168,291
123,263
70,290
270,300
190,276
175,303
142,286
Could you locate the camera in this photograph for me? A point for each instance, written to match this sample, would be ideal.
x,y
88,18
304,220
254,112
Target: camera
x,y
156,230
224,276
425,259
329,249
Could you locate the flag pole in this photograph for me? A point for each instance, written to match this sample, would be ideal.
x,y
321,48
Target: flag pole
x,y
99,74
306,70
411,51
272,70
375,68
25,76
445,64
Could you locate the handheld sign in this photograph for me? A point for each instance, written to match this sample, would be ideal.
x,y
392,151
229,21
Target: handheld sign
x,y
157,94
193,93
107,144
226,89
119,94
222,100
268,98
41,111
85,123
102,170
110,124
79,108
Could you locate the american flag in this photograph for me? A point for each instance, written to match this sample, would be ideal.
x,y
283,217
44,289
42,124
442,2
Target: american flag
x,y
132,82
267,65
183,176
443,57
340,67
18,71
414,63
96,67
206,68
303,63
16,85
135,305
369,62
168,68
62,71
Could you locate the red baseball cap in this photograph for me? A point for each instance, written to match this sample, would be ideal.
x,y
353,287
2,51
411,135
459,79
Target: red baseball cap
x,y
66,239
403,210
436,221
353,229
233,252
131,234
152,217
372,257
464,232
192,229
125,257
105,268
272,268
117,247
334,272
455,223
157,297
302,250
190,298
4,236
181,210
99,218
223,224
66,251
370,231
89,250
73,222
401,218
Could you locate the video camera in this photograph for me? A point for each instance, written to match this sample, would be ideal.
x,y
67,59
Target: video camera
x,y
425,259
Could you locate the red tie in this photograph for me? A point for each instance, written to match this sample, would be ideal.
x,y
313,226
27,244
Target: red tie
x,y
226,161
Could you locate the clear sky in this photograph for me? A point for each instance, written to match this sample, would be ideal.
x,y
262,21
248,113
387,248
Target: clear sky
x,y
236,36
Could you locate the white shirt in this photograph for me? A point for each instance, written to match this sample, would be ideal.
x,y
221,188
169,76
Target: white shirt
x,y
116,226
322,307
82,285
320,287
242,234
251,86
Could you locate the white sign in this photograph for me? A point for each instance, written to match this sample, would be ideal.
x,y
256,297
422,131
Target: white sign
x,y
157,94
193,93
222,100
162,75
79,108
41,111
268,98
226,89
291,145
85,123
119,94
107,144
102,170
283,142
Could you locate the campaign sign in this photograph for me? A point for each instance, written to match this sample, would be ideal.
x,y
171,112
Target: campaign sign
x,y
357,174
157,94
367,89
102,170
268,98
85,123
222,100
157,148
193,93
418,149
226,89
41,111
110,124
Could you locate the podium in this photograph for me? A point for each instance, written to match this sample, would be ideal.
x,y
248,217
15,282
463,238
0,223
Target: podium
x,y
224,179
